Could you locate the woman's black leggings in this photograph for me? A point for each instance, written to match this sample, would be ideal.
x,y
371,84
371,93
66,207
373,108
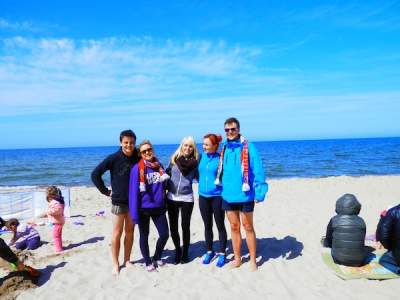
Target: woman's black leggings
x,y
173,214
160,221
209,207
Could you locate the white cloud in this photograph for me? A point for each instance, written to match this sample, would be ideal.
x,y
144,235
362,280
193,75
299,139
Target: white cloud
x,y
39,75
17,26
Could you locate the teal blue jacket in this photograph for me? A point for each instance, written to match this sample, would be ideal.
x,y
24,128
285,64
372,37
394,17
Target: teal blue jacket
x,y
208,167
232,178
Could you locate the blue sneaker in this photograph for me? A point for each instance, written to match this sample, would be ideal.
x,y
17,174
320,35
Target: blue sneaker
x,y
221,260
207,258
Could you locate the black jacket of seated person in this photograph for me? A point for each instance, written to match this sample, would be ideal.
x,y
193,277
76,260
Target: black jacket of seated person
x,y
388,231
345,233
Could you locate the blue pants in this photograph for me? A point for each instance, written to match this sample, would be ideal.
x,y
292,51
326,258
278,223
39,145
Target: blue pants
x,y
160,221
30,244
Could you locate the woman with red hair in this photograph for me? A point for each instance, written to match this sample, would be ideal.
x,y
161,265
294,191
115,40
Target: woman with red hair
x,y
210,200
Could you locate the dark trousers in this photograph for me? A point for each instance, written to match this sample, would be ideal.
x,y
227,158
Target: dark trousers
x,y
173,214
160,221
6,253
209,207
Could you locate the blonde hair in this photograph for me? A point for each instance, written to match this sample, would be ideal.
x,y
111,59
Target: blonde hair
x,y
179,152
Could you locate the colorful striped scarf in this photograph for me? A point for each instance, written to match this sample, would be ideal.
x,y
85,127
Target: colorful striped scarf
x,y
244,161
155,164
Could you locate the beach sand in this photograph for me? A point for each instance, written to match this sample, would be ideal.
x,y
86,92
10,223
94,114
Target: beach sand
x,y
289,225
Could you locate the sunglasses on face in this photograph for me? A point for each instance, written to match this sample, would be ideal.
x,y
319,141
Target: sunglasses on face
x,y
148,150
233,129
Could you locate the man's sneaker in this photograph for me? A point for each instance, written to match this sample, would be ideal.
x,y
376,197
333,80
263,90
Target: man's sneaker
x,y
207,258
221,260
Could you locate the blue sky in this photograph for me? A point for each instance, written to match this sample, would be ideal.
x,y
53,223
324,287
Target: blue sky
x,y
76,73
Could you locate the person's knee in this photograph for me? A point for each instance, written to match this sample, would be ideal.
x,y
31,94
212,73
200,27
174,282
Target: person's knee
x,y
129,231
117,233
248,227
20,246
235,227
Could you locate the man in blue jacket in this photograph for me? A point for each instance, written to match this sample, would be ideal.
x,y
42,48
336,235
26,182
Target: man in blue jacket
x,y
241,174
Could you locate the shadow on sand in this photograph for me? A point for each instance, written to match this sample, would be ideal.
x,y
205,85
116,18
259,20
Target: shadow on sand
x,y
46,273
288,247
268,248
88,241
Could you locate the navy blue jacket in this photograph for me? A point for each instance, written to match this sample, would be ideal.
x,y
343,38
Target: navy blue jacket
x,y
120,167
388,231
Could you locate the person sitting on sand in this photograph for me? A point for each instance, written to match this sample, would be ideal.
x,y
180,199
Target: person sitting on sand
x,y
9,256
25,236
345,233
147,200
241,174
119,164
388,231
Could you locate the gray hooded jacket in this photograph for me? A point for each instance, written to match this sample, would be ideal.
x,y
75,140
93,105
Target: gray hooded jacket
x,y
345,233
179,184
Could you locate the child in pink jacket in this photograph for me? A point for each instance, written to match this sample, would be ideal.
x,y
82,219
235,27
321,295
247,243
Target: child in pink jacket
x,y
55,213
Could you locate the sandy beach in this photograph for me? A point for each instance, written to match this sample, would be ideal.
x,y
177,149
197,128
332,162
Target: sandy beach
x,y
289,225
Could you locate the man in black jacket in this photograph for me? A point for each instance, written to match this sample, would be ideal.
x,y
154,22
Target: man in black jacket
x,y
345,233
119,164
388,231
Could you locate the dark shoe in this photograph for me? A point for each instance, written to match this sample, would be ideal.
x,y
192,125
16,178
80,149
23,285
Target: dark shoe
x,y
185,257
178,256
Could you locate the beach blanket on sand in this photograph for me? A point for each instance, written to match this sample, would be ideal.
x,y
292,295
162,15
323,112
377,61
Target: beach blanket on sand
x,y
380,266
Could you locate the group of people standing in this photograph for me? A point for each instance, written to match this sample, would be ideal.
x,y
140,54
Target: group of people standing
x,y
230,182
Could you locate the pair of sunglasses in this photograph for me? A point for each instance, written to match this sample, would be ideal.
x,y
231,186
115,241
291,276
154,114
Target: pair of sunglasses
x,y
149,150
231,129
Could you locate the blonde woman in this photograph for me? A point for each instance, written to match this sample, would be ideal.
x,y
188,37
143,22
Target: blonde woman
x,y
183,171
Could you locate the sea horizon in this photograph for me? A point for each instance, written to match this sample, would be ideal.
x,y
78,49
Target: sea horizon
x,y
172,144
72,166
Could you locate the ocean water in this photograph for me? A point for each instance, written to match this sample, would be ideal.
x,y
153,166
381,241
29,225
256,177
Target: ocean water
x,y
284,159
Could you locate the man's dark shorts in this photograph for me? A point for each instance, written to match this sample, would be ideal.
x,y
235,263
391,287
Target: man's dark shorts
x,y
240,206
119,209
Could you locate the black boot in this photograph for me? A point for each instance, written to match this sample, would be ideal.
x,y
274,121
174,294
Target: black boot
x,y
185,255
178,256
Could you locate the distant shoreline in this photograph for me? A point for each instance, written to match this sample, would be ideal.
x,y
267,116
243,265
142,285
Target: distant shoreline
x,y
35,187
177,143
281,160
